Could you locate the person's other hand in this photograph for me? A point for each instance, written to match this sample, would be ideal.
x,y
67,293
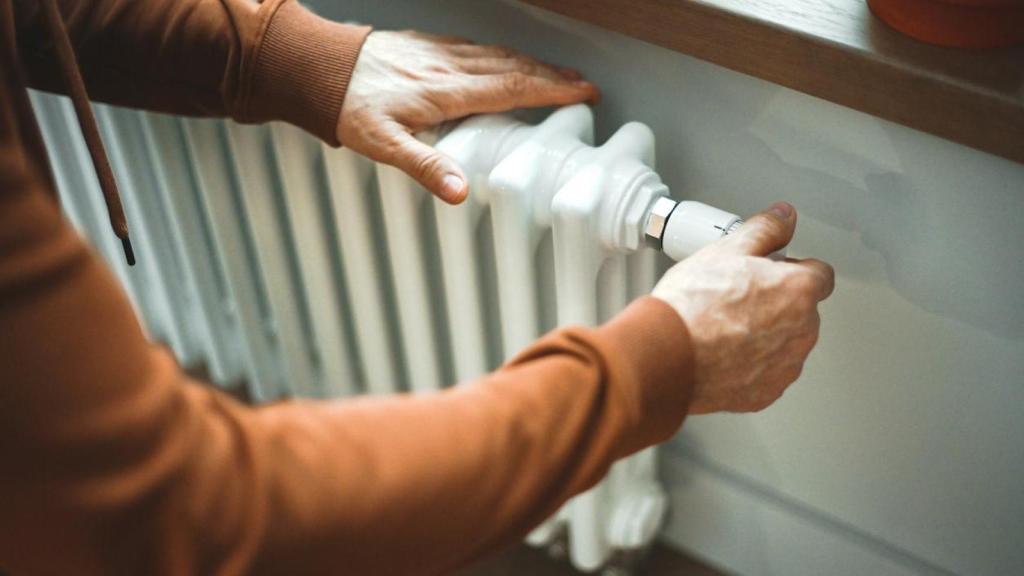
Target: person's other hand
x,y
752,321
405,82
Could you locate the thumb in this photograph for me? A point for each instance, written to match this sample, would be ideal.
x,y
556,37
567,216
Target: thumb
x,y
432,169
766,232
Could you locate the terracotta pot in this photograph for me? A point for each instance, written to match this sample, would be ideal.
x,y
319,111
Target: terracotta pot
x,y
959,23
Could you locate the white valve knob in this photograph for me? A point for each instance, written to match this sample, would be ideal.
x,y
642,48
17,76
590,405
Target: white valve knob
x,y
694,225
681,228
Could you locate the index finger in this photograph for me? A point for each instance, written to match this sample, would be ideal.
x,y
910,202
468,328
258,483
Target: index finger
x,y
823,273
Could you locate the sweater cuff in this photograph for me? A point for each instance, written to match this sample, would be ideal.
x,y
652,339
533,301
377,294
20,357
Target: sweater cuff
x,y
302,70
652,344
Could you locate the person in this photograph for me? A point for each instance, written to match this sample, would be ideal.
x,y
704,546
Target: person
x,y
114,461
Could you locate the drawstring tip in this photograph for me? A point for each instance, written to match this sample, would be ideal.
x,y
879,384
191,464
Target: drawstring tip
x,y
129,254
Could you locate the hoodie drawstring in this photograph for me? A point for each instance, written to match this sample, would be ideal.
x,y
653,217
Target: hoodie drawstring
x,y
87,123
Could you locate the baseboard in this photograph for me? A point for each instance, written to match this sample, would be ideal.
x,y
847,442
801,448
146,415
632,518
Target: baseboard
x,y
739,527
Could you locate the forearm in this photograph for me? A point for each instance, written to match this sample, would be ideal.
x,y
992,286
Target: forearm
x,y
252,62
114,457
426,484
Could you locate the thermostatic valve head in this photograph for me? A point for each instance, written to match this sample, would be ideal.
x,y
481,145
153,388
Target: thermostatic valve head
x,y
681,228
735,226
689,226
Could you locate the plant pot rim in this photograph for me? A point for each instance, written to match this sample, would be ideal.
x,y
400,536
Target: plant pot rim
x,y
955,23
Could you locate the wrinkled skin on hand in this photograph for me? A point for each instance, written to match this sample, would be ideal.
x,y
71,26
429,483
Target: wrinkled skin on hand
x,y
405,82
753,321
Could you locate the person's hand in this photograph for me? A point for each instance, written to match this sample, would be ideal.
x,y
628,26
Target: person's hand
x,y
405,82
752,321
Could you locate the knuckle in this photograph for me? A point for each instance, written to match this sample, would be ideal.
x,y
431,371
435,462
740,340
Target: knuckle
x,y
760,233
358,125
830,277
786,375
391,152
802,347
759,405
766,393
826,269
424,166
793,373
751,229
814,322
527,67
805,284
532,66
516,82
767,225
810,342
764,400
388,147
441,68
499,51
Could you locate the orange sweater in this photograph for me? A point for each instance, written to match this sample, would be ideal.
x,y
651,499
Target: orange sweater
x,y
113,461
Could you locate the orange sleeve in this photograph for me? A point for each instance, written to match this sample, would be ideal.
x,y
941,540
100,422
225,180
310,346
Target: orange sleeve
x,y
112,461
251,61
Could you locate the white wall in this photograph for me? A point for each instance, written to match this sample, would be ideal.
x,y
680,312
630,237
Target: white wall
x,y
901,449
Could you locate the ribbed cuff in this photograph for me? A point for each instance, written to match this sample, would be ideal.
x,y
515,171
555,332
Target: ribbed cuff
x,y
302,70
652,344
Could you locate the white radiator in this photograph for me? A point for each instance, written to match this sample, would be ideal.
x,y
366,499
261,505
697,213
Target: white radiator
x,y
298,269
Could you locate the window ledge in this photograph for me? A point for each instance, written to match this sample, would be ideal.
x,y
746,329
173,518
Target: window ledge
x,y
836,50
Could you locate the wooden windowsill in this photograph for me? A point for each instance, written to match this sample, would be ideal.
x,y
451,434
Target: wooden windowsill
x,y
836,50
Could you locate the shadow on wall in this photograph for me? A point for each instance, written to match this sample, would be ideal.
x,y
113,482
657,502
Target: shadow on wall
x,y
948,237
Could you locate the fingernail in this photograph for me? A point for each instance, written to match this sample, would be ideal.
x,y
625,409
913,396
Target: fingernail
x,y
451,186
781,209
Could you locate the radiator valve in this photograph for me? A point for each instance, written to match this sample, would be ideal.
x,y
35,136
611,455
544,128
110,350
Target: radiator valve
x,y
681,228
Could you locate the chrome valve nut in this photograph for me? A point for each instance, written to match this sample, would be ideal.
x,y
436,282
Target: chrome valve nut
x,y
657,219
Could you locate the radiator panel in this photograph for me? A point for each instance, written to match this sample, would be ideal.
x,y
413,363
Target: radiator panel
x,y
202,282
407,211
283,301
357,213
307,208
